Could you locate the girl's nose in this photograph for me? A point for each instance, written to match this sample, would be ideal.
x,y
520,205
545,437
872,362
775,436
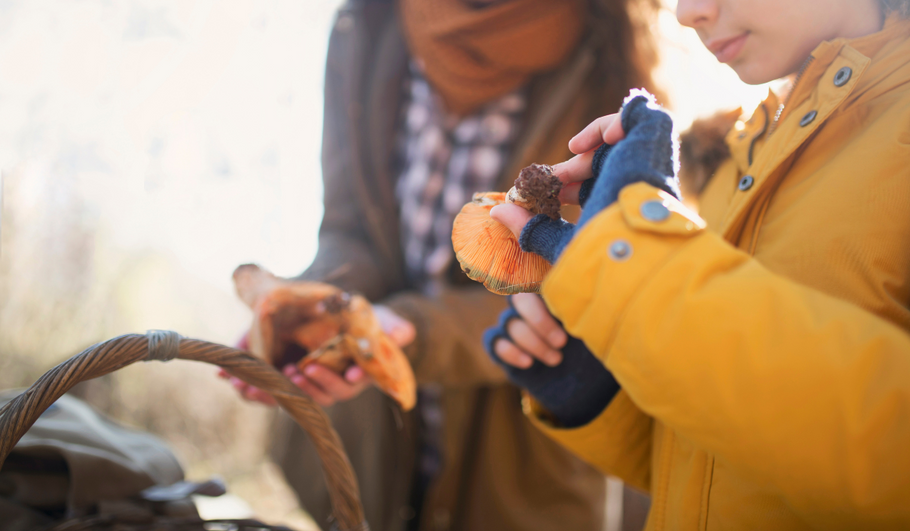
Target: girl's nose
x,y
697,13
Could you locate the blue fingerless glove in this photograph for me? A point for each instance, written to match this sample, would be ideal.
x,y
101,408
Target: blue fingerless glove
x,y
597,164
647,154
575,391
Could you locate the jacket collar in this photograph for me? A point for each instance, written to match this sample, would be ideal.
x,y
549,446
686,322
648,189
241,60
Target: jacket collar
x,y
877,63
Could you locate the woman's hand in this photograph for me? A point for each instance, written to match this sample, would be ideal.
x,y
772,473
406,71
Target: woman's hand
x,y
323,385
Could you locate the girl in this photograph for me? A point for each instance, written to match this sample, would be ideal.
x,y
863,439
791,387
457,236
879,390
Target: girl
x,y
762,367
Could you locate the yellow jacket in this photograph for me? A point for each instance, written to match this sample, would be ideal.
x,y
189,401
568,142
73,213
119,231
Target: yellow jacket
x,y
765,373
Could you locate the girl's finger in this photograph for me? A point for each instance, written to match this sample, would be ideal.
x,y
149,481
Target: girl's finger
x,y
512,216
576,169
511,354
569,194
528,341
534,312
606,129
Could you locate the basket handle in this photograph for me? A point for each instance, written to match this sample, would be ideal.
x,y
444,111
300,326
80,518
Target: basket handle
x,y
18,415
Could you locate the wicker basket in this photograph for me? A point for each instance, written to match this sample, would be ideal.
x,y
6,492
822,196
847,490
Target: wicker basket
x,y
104,358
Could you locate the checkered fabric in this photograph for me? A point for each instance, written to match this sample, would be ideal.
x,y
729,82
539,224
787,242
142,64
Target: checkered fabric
x,y
444,160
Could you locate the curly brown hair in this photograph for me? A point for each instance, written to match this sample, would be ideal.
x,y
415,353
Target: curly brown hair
x,y
626,50
899,6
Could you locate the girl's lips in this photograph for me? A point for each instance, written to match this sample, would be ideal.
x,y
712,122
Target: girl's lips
x,y
727,49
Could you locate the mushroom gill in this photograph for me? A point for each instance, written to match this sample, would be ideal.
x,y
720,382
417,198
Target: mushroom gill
x,y
303,322
489,253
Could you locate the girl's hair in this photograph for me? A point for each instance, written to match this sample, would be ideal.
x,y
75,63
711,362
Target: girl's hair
x,y
899,6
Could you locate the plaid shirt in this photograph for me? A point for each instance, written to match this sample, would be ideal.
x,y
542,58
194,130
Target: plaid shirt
x,y
445,159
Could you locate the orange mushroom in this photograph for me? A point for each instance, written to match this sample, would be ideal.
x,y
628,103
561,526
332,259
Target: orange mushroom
x,y
310,322
488,252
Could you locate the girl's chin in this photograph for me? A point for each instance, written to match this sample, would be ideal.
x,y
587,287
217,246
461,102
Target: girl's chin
x,y
752,74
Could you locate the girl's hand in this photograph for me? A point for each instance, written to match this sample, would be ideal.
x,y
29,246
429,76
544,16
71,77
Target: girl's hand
x,y
512,216
635,146
535,334
604,130
558,370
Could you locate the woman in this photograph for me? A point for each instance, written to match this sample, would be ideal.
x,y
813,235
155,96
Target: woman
x,y
426,103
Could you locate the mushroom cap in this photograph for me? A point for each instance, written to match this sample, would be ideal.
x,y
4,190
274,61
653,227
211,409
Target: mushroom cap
x,y
489,253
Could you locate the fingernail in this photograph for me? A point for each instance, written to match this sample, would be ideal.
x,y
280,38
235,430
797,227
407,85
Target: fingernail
x,y
289,370
297,380
354,374
310,370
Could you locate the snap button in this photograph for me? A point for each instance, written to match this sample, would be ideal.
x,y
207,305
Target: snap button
x,y
620,250
654,211
842,76
746,182
808,118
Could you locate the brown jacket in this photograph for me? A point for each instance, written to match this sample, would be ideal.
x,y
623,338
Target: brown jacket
x,y
499,472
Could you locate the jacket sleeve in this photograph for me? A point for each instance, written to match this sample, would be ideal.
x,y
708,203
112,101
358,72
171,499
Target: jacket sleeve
x,y
795,388
617,442
348,255
449,346
346,259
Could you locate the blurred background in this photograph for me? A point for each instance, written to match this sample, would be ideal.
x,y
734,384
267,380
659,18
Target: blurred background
x,y
149,147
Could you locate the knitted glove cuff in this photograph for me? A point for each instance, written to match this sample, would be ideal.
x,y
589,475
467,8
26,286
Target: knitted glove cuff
x,y
546,236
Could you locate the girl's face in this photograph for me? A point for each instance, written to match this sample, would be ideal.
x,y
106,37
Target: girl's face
x,y
764,40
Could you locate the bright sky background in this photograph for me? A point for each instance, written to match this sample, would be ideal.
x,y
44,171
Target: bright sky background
x,y
191,128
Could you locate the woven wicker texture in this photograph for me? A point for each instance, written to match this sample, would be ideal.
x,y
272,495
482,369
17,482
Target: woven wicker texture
x,y
104,358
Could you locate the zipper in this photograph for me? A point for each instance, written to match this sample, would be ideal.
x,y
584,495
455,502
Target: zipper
x,y
782,106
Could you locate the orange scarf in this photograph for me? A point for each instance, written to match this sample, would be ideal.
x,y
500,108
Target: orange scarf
x,y
472,55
